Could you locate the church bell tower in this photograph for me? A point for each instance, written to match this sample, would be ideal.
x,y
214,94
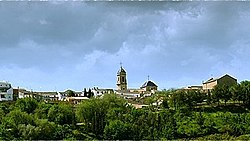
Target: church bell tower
x,y
121,79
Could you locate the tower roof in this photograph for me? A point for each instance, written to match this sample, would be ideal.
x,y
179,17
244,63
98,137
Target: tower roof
x,y
121,70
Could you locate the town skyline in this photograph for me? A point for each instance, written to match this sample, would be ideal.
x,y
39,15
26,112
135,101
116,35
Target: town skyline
x,y
54,46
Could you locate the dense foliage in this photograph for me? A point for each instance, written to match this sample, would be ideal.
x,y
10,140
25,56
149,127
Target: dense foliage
x,y
216,115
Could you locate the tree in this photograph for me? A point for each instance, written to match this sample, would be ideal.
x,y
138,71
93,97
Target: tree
x,y
46,129
5,108
226,94
118,130
63,132
245,92
90,94
17,117
28,132
85,94
221,92
61,114
178,99
93,113
42,110
165,103
182,98
235,92
209,98
26,104
166,127
70,93
2,115
13,119
6,133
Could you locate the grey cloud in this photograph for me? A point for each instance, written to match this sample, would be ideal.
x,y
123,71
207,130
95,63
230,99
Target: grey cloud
x,y
178,42
47,23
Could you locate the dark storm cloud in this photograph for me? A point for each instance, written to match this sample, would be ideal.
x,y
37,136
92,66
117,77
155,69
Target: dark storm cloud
x,y
176,43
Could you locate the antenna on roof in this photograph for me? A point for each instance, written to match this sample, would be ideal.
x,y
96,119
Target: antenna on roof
x,y
148,77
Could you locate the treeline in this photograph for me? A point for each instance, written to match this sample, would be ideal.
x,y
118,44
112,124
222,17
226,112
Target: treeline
x,y
238,94
86,93
112,118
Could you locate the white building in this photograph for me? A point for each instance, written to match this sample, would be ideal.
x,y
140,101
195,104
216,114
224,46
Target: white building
x,y
22,93
6,91
99,92
128,93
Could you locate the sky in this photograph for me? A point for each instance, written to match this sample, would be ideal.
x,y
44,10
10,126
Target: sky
x,y
54,46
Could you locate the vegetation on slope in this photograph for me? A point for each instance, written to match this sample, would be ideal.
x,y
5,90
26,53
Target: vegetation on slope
x,y
221,114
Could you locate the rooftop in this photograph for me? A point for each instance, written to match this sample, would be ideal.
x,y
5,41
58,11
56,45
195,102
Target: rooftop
x,y
148,83
121,70
215,79
4,83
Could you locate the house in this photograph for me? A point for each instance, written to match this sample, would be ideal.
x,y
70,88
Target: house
x,y
193,88
76,100
22,93
61,96
52,96
99,92
6,91
127,94
45,96
224,80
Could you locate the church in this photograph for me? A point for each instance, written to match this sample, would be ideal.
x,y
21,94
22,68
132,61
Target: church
x,y
148,88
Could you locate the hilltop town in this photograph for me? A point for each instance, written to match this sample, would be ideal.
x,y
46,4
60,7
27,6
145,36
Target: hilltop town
x,y
60,60
147,89
218,109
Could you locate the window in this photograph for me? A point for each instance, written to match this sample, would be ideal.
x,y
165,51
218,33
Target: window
x,y
3,90
123,79
2,96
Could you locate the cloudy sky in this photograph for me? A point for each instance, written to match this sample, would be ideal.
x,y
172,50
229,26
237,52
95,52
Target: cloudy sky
x,y
48,46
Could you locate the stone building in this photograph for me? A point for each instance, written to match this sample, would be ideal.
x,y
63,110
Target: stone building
x,y
224,80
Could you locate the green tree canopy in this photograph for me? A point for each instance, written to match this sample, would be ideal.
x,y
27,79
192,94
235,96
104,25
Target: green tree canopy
x,y
93,113
118,130
70,93
26,104
221,92
61,113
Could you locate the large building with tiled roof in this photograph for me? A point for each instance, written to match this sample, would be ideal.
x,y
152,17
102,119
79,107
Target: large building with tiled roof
x,y
224,80
149,86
